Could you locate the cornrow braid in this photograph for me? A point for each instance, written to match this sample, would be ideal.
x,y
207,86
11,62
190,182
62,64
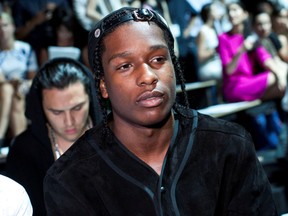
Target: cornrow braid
x,y
98,74
179,76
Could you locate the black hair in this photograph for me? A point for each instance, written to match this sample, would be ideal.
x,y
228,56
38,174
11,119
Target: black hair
x,y
277,11
107,25
205,12
60,73
62,16
259,10
247,22
240,3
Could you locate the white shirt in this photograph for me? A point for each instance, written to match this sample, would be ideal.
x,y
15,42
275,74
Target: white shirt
x,y
15,63
14,200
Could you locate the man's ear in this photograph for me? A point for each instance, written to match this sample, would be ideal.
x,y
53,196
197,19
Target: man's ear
x,y
103,89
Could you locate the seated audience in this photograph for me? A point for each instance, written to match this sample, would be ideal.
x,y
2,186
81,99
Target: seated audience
x,y
32,21
184,15
268,11
262,24
18,65
240,54
61,106
250,73
65,30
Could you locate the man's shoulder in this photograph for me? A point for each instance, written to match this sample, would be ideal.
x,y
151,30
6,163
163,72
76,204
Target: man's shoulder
x,y
23,141
78,154
220,135
208,123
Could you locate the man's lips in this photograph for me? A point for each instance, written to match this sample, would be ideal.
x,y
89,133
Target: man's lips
x,y
150,99
70,131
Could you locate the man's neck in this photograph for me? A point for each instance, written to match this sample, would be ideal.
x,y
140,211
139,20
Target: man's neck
x,y
148,144
63,144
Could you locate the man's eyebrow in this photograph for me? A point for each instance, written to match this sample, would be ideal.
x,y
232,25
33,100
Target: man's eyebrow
x,y
56,110
124,54
118,55
156,47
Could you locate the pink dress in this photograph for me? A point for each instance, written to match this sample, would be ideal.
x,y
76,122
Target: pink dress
x,y
246,83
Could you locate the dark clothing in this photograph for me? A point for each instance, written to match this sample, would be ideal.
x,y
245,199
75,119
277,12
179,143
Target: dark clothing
x,y
275,40
210,169
181,13
28,160
30,154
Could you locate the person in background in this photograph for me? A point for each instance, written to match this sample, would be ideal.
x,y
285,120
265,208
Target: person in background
x,y
268,11
151,155
65,30
61,106
262,26
32,21
18,66
280,27
183,15
14,200
250,72
276,45
210,67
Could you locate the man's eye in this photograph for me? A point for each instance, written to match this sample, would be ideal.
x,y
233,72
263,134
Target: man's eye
x,y
77,108
159,59
125,67
56,112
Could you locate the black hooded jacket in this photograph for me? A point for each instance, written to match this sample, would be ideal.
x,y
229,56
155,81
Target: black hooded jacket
x,y
210,169
30,154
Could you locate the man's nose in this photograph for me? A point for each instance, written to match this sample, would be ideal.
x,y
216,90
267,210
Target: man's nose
x,y
147,75
68,118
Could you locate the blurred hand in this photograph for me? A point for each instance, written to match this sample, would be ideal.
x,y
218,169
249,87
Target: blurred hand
x,y
40,18
45,14
250,42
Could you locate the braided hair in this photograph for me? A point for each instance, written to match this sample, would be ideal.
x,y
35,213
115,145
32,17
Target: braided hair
x,y
106,26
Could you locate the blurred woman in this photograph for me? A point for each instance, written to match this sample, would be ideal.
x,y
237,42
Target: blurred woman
x,y
250,73
210,67
249,70
280,27
18,65
64,28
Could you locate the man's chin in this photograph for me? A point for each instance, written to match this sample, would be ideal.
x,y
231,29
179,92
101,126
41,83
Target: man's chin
x,y
73,138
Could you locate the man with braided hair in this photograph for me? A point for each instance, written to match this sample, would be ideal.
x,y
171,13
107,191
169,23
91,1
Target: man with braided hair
x,y
150,155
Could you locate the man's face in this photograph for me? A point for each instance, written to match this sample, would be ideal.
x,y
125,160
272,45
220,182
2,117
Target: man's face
x,y
139,77
67,111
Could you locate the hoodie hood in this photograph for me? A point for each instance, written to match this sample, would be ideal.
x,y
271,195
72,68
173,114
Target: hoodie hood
x,y
35,114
